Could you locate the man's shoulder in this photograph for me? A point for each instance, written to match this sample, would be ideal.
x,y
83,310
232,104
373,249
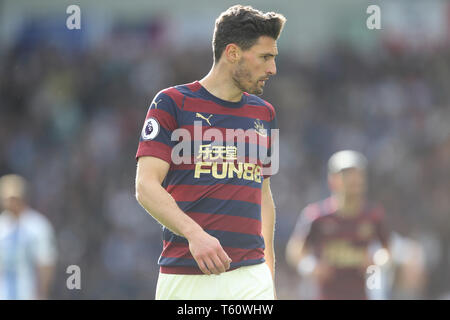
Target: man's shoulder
x,y
319,209
37,221
177,93
254,100
185,89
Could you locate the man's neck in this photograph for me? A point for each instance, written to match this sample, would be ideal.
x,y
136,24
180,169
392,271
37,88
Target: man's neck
x,y
219,83
17,213
349,207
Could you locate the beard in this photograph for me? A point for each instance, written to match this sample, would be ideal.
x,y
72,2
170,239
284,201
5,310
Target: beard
x,y
242,78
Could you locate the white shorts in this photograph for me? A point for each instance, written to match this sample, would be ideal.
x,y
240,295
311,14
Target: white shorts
x,y
245,283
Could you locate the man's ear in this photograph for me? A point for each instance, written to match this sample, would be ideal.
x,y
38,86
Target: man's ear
x,y
232,53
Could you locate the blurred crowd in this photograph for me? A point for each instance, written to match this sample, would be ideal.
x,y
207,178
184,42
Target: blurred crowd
x,y
70,121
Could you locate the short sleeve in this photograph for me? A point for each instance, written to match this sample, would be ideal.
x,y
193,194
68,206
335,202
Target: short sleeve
x,y
305,228
160,122
271,165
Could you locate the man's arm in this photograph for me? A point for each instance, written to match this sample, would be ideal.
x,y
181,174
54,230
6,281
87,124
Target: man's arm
x,y
206,249
300,254
295,250
268,225
44,276
44,257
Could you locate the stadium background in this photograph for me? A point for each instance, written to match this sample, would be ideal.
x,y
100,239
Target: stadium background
x,y
72,104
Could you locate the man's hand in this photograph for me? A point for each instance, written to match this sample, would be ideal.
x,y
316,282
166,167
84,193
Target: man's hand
x,y
208,253
323,272
206,250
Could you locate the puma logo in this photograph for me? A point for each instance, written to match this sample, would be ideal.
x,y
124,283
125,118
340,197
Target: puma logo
x,y
204,118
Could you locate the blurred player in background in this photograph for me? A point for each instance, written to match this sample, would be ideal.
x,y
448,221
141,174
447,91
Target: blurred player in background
x,y
218,218
332,239
27,245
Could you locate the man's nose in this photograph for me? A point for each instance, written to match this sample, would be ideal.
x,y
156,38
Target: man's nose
x,y
272,69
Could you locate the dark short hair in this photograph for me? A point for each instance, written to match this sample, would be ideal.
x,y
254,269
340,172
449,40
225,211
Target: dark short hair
x,y
243,25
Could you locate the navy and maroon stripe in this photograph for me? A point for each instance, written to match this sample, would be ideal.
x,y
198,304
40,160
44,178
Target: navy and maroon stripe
x,y
165,119
177,258
235,136
155,149
249,111
181,250
227,239
217,191
176,96
229,208
227,223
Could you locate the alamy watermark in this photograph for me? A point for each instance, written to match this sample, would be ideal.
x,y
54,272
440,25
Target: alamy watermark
x,y
74,280
246,154
74,19
373,281
374,20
